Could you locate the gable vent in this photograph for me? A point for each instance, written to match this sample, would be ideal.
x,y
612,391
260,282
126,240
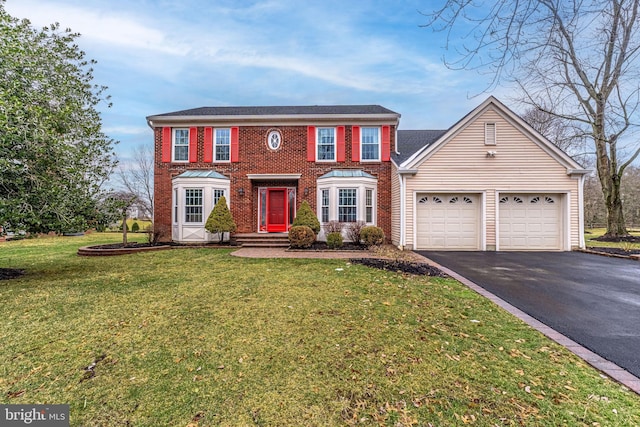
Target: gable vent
x,y
489,134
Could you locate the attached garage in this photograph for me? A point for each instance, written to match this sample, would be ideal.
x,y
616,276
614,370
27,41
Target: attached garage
x,y
490,183
448,221
530,222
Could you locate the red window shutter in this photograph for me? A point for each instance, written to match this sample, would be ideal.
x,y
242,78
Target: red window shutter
x,y
311,143
235,144
193,145
355,143
208,145
166,144
386,143
340,144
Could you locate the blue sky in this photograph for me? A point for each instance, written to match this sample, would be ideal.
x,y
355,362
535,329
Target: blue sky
x,y
158,56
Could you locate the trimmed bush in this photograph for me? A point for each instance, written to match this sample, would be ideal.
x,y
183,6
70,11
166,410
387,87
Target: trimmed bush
x,y
372,235
135,227
334,240
301,237
353,231
306,216
220,219
333,227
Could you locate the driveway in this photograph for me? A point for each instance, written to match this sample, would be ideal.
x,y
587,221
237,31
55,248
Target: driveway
x,y
592,299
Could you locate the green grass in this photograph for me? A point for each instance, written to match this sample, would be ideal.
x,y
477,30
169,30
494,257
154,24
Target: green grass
x,y
592,233
198,337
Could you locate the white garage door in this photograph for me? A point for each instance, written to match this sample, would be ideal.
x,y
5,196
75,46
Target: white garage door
x,y
530,222
448,221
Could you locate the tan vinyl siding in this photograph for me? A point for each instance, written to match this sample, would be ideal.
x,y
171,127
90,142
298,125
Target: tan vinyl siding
x,y
519,166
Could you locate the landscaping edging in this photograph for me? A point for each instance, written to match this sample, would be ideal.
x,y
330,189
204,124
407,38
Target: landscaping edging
x,y
93,251
635,257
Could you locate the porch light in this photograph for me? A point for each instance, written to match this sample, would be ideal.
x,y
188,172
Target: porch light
x,y
241,191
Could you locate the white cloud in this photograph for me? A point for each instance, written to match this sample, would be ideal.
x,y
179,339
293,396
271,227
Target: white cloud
x,y
112,29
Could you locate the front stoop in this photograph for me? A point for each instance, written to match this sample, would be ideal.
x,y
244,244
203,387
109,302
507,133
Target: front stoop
x,y
262,240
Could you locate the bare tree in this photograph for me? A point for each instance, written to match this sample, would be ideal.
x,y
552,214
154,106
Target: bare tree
x,y
578,60
560,132
138,178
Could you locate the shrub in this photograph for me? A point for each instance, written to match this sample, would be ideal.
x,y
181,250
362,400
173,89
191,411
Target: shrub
x,y
306,216
334,240
301,237
354,231
333,227
220,219
135,227
156,234
372,235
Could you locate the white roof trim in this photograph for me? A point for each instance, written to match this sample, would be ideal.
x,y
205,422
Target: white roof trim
x,y
560,156
273,176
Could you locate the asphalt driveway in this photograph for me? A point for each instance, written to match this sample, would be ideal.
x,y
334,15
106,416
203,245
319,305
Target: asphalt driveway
x,y
592,299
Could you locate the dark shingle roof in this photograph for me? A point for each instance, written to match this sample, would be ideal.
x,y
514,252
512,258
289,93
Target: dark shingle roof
x,y
282,110
412,141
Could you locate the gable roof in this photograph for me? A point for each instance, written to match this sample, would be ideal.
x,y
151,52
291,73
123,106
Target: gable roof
x,y
408,160
410,141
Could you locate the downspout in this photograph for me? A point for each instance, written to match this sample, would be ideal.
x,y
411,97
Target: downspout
x,y
402,242
581,210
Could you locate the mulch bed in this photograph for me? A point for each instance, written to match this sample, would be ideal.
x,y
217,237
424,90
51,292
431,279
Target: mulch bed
x,y
10,273
631,239
400,266
322,246
135,245
613,251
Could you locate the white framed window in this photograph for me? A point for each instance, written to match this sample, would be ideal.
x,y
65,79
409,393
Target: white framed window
x,y
368,206
175,206
347,205
217,194
370,144
222,145
326,145
193,205
489,134
325,206
347,196
180,145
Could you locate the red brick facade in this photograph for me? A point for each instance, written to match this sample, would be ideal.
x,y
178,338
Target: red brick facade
x,y
255,157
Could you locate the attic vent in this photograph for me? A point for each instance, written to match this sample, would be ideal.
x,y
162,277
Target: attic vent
x,y
489,134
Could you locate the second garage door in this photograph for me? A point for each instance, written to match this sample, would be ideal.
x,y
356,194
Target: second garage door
x,y
448,221
530,222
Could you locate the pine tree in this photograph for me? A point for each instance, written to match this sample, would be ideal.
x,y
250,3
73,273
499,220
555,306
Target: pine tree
x,y
306,216
220,219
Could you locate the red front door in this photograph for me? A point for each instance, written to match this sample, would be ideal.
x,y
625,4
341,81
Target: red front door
x,y
276,210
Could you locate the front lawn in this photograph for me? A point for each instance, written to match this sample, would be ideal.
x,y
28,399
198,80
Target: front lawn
x,y
197,337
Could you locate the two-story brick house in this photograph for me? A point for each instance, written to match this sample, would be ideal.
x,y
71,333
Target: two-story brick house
x,y
489,182
267,160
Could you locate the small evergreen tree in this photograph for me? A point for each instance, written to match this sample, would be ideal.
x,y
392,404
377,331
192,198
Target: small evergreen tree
x,y
135,227
306,216
220,219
